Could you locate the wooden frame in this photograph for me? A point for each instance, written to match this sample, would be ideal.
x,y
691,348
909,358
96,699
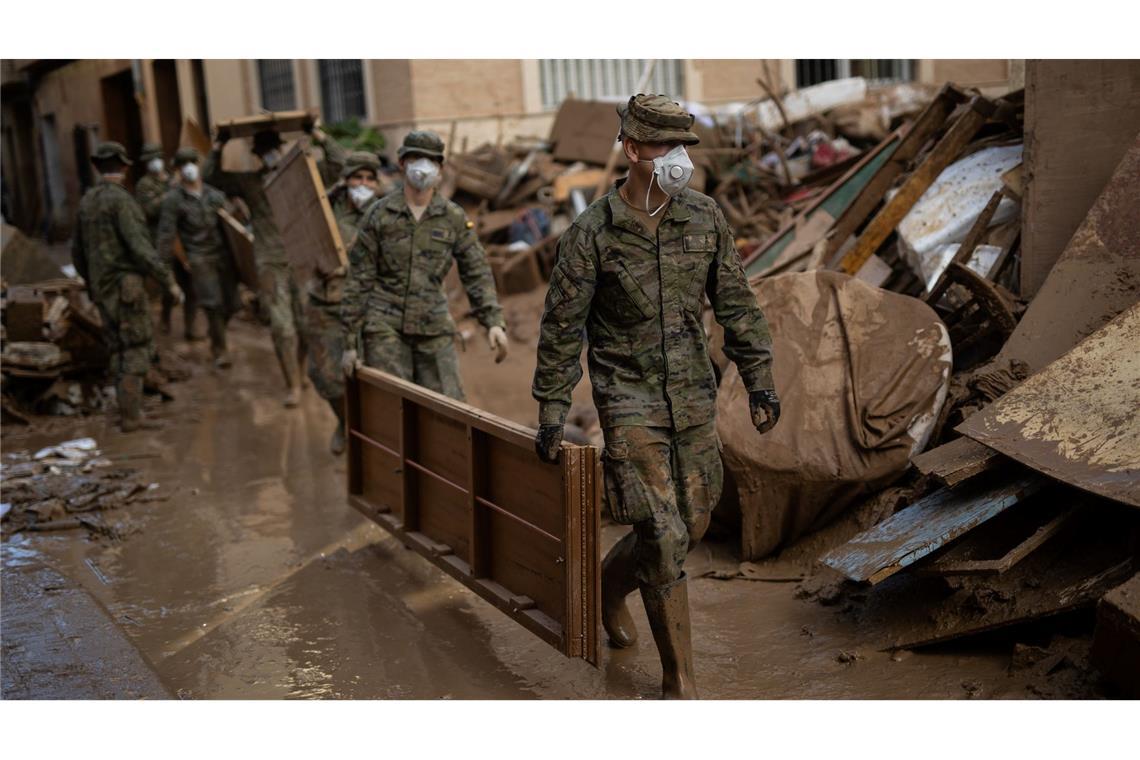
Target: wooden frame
x,y
282,121
239,240
465,490
304,217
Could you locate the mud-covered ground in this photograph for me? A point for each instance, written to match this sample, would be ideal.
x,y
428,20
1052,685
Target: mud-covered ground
x,y
254,579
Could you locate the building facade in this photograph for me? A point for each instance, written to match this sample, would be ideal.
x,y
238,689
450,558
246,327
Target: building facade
x,y
54,111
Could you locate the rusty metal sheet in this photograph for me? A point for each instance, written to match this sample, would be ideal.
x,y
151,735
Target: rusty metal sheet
x,y
1096,278
308,226
926,526
1077,420
464,489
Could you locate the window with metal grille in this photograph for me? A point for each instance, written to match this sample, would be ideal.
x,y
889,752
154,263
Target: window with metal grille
x,y
342,90
277,92
875,71
588,78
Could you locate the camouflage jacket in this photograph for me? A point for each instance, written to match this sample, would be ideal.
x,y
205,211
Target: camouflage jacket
x,y
111,240
639,300
194,220
250,187
397,266
149,192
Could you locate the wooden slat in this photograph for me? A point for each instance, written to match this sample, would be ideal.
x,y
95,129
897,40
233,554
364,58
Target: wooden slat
x,y
926,526
282,121
959,460
239,241
942,155
966,250
464,489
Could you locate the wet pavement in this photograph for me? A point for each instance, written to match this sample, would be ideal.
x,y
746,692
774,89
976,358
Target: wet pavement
x,y
256,580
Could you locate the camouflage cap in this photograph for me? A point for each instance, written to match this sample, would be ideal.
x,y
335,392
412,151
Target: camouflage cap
x,y
149,151
656,118
109,149
187,156
360,159
422,142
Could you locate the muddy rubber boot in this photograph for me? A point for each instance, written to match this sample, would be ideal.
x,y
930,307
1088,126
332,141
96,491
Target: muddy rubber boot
x,y
130,393
618,582
336,445
667,608
217,327
287,357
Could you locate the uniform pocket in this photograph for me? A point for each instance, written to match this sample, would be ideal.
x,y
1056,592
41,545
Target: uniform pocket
x,y
626,491
642,307
131,289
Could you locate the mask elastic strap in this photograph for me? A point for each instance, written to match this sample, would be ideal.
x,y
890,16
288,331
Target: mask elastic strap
x,y
649,189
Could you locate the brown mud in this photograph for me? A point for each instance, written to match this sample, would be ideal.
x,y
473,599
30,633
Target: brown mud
x,y
256,580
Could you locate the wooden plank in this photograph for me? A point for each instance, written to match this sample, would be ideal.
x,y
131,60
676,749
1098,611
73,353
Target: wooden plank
x,y
941,155
932,118
1076,420
1116,639
304,217
193,136
926,526
959,460
950,564
966,250
464,489
239,241
1080,118
282,121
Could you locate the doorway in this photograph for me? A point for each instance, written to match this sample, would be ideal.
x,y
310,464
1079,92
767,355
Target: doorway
x,y
169,104
122,121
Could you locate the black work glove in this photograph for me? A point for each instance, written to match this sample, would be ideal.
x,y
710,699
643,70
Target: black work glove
x,y
307,125
765,409
547,442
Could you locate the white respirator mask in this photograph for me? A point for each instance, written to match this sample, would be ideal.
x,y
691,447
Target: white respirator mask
x,y
672,172
189,172
154,165
271,158
423,173
360,195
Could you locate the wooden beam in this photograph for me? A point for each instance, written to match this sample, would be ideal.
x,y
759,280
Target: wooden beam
x,y
973,238
942,155
959,460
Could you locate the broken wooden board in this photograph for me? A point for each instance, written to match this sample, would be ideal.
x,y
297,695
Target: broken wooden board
x,y
464,489
926,526
1096,278
796,239
1080,118
304,217
192,136
281,121
959,460
239,240
1076,420
1116,640
584,130
945,151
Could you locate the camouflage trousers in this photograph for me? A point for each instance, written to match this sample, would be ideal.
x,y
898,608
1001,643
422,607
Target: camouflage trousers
x,y
215,284
127,327
426,360
282,301
324,336
665,483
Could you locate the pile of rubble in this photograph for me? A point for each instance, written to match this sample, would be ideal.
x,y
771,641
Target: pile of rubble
x,y
70,485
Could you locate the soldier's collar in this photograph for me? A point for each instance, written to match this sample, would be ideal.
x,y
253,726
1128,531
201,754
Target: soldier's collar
x,y
437,205
624,218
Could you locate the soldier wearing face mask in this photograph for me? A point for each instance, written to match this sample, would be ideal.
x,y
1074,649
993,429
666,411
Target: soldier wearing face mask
x,y
394,293
632,275
190,212
350,198
149,192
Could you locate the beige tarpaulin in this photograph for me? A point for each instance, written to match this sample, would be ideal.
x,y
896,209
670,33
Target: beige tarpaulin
x,y
861,373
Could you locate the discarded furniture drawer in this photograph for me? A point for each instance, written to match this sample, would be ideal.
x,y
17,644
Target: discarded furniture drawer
x,y
465,490
304,217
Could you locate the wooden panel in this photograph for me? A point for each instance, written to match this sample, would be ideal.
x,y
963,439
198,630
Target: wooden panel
x,y
282,121
959,460
472,497
304,217
239,241
926,526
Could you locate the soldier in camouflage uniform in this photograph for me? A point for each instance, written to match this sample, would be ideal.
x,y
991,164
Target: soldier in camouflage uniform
x,y
279,291
149,192
632,275
394,292
324,331
190,213
112,252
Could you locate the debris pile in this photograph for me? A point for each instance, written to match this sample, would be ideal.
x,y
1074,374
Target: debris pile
x,y
68,486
